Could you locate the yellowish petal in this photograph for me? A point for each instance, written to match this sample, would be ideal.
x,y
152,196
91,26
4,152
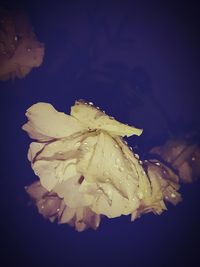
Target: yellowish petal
x,y
96,119
45,123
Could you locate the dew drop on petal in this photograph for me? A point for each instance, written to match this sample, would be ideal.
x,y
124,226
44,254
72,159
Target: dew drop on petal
x,y
140,195
173,195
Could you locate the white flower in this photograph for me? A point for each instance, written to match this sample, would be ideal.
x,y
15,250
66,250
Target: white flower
x,y
82,158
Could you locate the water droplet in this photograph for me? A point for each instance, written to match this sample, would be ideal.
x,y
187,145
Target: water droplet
x,y
140,162
140,195
173,195
99,190
130,148
157,163
112,118
42,207
136,156
85,143
58,210
16,38
193,158
60,152
125,142
91,104
116,146
97,107
107,180
28,49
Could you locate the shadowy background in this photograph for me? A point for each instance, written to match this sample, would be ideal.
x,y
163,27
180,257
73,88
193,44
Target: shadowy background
x,y
137,60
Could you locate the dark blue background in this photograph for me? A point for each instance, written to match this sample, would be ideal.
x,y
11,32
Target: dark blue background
x,y
142,68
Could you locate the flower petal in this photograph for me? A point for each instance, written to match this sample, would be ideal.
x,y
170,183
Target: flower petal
x,y
106,164
96,119
45,123
46,172
69,190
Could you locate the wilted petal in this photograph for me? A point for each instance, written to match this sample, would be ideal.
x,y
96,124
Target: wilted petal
x,y
164,186
36,190
180,153
67,215
91,218
49,206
